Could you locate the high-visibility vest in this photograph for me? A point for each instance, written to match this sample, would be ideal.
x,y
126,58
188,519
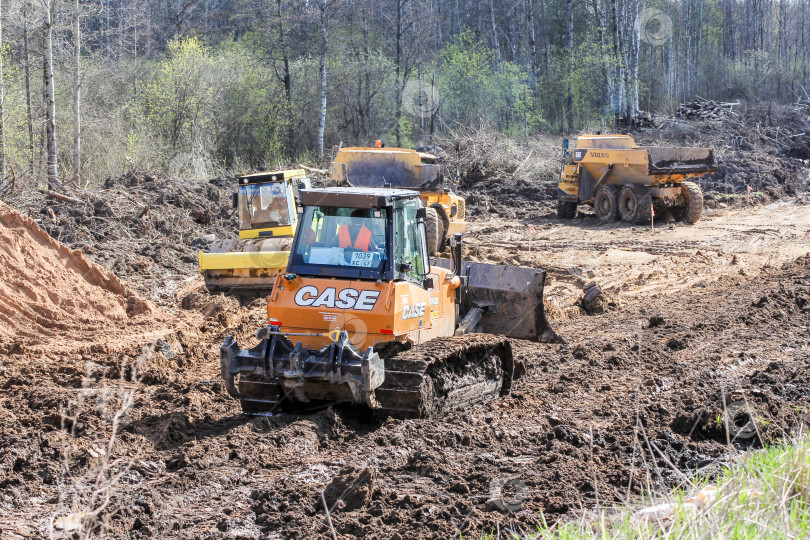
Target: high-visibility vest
x,y
308,236
362,242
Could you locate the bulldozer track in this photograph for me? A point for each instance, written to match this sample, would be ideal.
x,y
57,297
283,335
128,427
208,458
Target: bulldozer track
x,y
433,377
446,374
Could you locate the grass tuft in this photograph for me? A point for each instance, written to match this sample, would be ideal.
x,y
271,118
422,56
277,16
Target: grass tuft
x,y
765,495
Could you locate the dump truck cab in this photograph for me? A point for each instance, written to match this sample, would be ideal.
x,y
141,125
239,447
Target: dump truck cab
x,y
266,205
406,169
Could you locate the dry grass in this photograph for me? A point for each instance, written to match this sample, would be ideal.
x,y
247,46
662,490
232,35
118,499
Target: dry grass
x,y
480,153
766,495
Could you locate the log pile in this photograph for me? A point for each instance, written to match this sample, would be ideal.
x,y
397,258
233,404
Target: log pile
x,y
705,109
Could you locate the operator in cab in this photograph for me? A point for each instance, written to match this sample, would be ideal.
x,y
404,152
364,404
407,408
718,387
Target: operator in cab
x,y
355,234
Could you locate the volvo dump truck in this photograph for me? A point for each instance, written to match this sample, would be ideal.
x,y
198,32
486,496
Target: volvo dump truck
x,y
406,169
266,204
363,316
622,180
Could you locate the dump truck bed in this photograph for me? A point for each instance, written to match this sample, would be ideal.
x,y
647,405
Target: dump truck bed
x,y
387,167
679,160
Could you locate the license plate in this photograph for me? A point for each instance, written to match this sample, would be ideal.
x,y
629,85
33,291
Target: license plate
x,y
362,258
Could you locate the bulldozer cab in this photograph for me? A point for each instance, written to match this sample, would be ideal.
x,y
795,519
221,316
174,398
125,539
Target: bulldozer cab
x,y
360,234
266,203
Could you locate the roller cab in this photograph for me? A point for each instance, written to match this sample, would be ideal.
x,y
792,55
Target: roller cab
x,y
267,207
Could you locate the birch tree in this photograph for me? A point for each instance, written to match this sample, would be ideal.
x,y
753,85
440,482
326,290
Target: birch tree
x,y
323,6
400,78
50,99
77,85
24,15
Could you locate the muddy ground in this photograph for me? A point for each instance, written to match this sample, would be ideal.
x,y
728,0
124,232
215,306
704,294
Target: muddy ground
x,y
695,322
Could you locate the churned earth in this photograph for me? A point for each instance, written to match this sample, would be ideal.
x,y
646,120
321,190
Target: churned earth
x,y
698,351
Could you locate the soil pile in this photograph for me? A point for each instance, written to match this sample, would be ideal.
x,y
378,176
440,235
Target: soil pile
x,y
764,147
46,289
147,228
500,177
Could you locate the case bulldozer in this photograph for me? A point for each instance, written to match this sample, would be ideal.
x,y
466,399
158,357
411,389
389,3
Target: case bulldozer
x,y
362,315
403,168
267,207
629,182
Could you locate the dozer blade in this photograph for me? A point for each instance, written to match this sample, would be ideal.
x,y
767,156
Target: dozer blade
x,y
338,372
511,297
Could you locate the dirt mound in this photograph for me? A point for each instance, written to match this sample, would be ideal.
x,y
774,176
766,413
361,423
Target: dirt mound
x,y
145,227
46,289
501,177
764,147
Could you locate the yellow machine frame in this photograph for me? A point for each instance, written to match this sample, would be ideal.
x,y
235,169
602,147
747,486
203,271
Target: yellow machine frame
x,y
450,207
261,253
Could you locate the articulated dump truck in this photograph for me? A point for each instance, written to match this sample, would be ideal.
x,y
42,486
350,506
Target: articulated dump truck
x,y
364,316
628,182
406,169
268,214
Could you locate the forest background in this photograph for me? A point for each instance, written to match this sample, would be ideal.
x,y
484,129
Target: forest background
x,y
201,88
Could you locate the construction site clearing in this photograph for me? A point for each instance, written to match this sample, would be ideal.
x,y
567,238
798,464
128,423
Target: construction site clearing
x,y
114,421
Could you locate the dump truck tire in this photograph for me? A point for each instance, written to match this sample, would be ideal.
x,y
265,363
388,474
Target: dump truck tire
x,y
443,226
693,202
433,229
635,204
606,203
566,209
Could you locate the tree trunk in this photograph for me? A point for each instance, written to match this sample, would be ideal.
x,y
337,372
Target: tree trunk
x,y
398,69
569,29
77,85
50,101
636,47
533,80
287,82
495,40
324,47
27,70
2,107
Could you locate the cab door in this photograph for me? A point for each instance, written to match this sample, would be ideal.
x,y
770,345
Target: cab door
x,y
412,303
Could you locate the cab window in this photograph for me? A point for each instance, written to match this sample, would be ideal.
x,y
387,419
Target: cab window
x,y
265,205
409,263
342,238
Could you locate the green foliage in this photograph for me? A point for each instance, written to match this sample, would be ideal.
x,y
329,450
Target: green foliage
x,y
360,95
15,113
177,100
252,118
477,90
198,104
